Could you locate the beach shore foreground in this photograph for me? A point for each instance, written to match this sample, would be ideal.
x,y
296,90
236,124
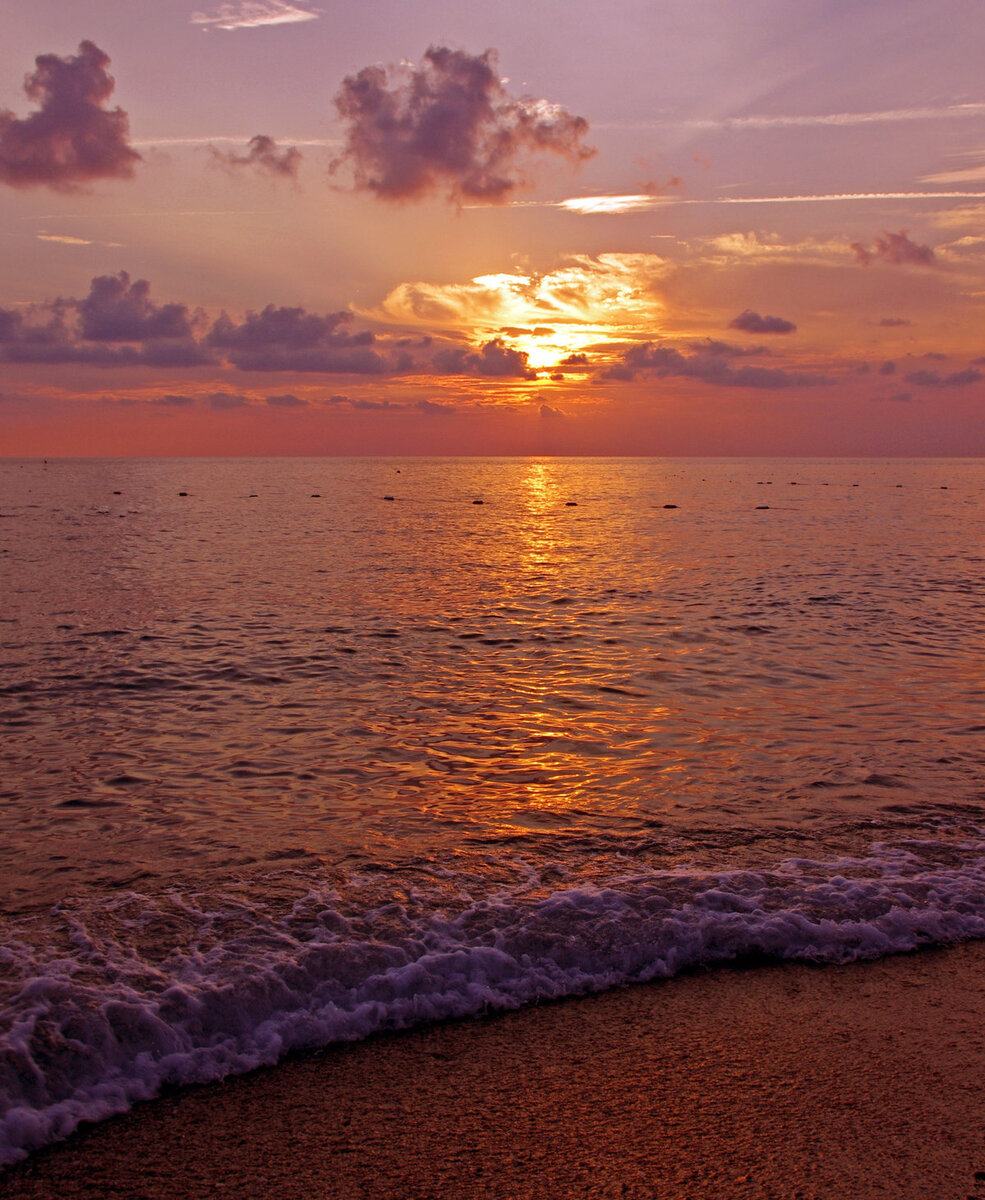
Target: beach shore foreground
x,y
788,1082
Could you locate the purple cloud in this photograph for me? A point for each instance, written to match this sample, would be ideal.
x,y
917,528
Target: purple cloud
x,y
663,360
896,249
752,322
72,138
292,339
494,359
117,310
935,379
449,126
264,155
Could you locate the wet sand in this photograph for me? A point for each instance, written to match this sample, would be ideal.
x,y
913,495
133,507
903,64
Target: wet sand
x,y
788,1082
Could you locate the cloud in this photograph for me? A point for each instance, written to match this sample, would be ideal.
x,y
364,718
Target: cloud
x,y
663,360
447,126
251,14
72,138
894,322
172,401
292,339
752,322
547,413
264,155
494,359
117,310
286,401
896,249
223,401
888,368
935,379
585,297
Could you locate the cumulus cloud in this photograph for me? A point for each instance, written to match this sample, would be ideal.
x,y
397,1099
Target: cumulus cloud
x,y
936,379
117,310
751,322
494,359
896,249
448,125
292,339
117,324
72,138
264,156
662,360
251,14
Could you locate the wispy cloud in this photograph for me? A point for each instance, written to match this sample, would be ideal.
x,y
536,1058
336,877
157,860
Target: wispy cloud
x,y
251,14
593,205
947,112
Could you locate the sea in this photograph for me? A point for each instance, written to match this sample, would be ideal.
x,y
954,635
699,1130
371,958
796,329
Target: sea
x,y
296,750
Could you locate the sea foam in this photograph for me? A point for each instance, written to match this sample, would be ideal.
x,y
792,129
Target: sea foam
x,y
107,1000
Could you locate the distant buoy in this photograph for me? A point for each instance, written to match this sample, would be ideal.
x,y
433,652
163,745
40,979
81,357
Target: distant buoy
x,y
182,493
117,493
571,504
478,502
252,496
316,495
387,497
670,506
760,507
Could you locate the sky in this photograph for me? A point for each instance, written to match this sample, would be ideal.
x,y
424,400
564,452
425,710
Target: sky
x,y
274,227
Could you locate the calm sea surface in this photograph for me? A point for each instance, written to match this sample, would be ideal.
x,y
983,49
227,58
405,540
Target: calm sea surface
x,y
294,750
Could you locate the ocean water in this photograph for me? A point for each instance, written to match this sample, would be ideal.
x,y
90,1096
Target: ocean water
x,y
292,751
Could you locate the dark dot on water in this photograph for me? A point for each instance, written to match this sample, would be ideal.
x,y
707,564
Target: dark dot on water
x,y
182,493
670,506
252,496
387,497
943,487
316,495
854,485
478,501
760,507
793,482
571,504
117,493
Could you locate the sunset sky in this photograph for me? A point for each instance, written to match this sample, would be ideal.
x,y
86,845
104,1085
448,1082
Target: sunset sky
x,y
266,227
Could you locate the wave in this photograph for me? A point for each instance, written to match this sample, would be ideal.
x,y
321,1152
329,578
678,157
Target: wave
x,y
107,1000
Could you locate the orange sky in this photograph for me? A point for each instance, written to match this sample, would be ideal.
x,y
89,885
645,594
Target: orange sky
x,y
696,232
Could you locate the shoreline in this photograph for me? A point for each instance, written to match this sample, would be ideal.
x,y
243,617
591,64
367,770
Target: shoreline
x,y
780,1082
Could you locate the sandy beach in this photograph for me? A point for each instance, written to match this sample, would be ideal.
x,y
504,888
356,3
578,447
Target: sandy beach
x,y
776,1082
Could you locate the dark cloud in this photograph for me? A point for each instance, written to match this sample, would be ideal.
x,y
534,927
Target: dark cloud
x,y
547,413
287,401
72,138
292,339
575,360
264,155
172,401
893,322
896,249
495,358
223,401
663,360
727,350
117,310
936,379
447,126
752,322
888,368
434,408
